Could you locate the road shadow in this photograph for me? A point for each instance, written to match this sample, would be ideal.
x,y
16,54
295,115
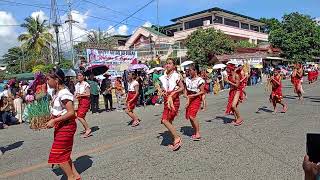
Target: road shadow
x,y
187,130
11,146
290,97
264,109
226,120
316,99
81,164
94,129
166,138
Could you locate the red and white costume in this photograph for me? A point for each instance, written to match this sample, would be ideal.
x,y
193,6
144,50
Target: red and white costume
x,y
84,102
170,83
63,131
132,94
232,93
193,87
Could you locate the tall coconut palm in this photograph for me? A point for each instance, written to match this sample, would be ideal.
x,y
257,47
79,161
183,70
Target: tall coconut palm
x,y
101,39
37,38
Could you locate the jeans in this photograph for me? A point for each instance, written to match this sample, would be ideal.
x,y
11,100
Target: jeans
x,y
119,100
226,86
94,103
211,87
253,80
108,98
8,118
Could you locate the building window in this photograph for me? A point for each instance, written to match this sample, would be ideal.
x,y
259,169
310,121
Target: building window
x,y
254,28
244,26
197,22
231,22
218,19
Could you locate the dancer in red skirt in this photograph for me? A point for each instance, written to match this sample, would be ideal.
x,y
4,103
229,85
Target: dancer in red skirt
x,y
171,86
296,79
63,121
132,98
276,94
82,93
195,87
234,95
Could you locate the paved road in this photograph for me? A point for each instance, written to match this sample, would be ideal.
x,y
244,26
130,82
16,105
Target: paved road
x,y
266,146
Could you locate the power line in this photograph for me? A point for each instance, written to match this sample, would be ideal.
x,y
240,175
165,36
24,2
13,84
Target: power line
x,y
45,7
108,8
141,8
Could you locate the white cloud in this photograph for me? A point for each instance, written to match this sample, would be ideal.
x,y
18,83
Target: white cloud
x,y
147,24
8,34
111,30
79,29
41,14
318,20
123,30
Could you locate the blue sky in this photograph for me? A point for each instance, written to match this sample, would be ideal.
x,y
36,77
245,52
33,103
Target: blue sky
x,y
168,9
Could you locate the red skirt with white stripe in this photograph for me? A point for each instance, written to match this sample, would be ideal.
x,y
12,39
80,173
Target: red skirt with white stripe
x,y
63,141
193,108
134,102
170,114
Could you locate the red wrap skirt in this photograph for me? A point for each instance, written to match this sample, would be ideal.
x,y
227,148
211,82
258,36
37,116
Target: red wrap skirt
x,y
194,106
83,107
63,141
132,105
170,114
311,76
232,93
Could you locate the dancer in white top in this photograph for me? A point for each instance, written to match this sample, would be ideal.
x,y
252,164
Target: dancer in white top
x,y
171,87
194,90
82,93
132,98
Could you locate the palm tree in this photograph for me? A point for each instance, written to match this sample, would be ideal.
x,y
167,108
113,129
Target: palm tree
x,y
100,38
37,38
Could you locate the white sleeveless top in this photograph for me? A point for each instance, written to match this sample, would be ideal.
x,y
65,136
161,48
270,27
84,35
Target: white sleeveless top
x,y
81,87
169,83
194,84
132,85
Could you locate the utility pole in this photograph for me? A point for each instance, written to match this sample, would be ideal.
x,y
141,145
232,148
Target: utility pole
x,y
70,21
56,26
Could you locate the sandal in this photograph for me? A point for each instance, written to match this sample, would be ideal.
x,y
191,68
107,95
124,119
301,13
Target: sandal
x,y
135,123
238,123
176,146
195,138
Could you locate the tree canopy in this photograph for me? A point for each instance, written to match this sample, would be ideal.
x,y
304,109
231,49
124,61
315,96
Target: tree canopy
x,y
203,42
297,35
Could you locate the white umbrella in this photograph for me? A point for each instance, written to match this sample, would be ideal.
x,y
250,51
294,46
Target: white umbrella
x,y
69,73
233,62
154,69
186,63
219,66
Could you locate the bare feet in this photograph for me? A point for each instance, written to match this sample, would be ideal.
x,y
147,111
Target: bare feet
x,y
87,134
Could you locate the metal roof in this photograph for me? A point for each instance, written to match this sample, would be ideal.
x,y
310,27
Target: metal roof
x,y
215,9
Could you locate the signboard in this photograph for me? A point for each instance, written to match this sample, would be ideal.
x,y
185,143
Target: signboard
x,y
116,60
110,57
251,61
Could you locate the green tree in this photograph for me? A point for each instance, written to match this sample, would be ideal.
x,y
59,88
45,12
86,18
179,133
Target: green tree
x,y
14,59
298,36
244,44
205,42
37,39
270,24
65,64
